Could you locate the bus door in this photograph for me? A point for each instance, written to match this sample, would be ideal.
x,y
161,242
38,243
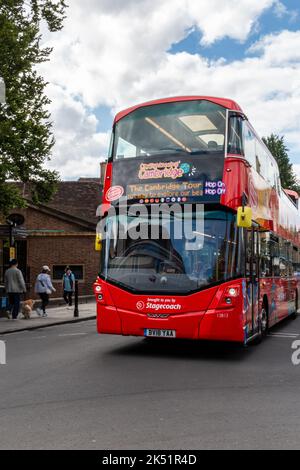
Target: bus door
x,y
252,279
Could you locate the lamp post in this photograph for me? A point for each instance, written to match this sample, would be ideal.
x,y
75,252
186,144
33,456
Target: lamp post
x,y
76,310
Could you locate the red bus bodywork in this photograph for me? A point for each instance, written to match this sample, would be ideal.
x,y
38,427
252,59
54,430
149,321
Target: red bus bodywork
x,y
206,314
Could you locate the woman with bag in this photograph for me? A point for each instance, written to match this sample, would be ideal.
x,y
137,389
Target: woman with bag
x,y
44,287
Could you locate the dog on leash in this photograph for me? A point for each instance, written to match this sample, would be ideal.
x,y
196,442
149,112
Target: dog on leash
x,y
27,307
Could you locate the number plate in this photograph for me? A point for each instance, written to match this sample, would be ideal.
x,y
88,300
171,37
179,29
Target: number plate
x,y
160,333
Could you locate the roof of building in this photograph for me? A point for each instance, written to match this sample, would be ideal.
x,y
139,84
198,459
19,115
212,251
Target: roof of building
x,y
75,201
79,199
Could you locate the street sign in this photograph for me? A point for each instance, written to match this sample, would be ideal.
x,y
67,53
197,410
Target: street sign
x,y
12,252
19,232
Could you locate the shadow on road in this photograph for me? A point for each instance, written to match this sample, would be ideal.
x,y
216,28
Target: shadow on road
x,y
185,349
293,325
196,349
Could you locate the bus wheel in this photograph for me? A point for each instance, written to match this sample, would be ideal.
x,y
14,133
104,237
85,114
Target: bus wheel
x,y
294,314
262,324
264,320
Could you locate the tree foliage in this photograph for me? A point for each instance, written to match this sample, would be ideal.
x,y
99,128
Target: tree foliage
x,y
26,139
279,150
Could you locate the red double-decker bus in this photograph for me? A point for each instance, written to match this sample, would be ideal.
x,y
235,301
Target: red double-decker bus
x,y
242,275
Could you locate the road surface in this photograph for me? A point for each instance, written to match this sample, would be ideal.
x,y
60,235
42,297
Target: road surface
x,y
66,387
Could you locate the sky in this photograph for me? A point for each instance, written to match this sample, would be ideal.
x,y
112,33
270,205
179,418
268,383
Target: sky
x,y
112,54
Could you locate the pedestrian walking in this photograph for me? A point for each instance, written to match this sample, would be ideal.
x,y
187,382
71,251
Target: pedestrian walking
x,y
14,286
44,287
68,285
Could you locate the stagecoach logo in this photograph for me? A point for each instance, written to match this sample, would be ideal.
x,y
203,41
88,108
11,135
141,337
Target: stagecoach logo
x,y
114,193
158,304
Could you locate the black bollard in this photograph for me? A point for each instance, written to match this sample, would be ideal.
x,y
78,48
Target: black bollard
x,y
76,311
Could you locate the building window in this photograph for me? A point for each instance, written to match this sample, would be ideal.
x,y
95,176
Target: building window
x,y
59,269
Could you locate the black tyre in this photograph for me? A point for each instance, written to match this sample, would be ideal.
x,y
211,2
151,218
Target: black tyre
x,y
264,320
263,324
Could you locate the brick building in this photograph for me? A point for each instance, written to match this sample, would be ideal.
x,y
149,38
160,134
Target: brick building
x,y
58,234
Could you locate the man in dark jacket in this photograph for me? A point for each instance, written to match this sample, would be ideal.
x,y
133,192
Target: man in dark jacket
x,y
68,285
14,286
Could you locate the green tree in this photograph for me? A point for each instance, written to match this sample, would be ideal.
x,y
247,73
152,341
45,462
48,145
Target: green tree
x,y
26,139
279,151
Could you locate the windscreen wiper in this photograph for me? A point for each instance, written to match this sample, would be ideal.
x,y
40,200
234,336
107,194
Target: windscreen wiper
x,y
176,149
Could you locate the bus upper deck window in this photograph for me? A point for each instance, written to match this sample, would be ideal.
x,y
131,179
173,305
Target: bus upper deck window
x,y
235,140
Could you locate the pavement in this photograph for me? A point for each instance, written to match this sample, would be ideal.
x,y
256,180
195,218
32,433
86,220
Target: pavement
x,y
66,387
56,316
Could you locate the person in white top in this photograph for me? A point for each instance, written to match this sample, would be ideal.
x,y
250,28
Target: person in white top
x,y
44,287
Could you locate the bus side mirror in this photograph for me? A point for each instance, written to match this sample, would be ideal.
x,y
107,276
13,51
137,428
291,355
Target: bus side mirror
x,y
98,242
244,217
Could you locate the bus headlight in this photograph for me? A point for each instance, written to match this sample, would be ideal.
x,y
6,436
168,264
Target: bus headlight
x,y
230,297
232,292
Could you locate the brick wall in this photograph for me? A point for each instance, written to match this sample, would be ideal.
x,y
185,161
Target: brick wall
x,y
62,232
36,220
67,244
63,250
